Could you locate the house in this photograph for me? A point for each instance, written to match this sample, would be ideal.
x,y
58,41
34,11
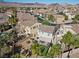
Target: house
x,y
52,34
40,12
3,18
9,12
70,15
27,24
71,11
45,34
59,18
63,29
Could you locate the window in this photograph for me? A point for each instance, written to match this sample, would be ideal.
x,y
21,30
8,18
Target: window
x,y
48,34
37,37
42,41
57,33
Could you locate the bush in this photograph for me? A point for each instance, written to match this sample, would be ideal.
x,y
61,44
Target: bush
x,y
45,22
40,50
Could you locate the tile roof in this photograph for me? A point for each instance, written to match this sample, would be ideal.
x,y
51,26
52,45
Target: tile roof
x,y
49,29
26,19
3,18
75,27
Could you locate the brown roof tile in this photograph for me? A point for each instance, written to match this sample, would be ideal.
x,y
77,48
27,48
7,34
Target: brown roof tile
x,y
49,29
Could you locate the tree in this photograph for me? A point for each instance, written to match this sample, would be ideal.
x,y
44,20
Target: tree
x,y
40,50
35,48
76,18
5,49
3,46
12,21
43,50
15,12
51,18
76,42
68,40
2,42
2,27
8,37
45,22
17,55
39,18
66,17
55,50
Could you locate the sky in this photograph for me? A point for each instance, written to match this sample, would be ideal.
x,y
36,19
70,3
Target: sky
x,y
45,1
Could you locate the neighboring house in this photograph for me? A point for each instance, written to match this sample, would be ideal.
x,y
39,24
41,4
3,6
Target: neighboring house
x,y
59,18
70,15
63,30
45,34
9,13
3,18
40,12
28,24
22,11
51,34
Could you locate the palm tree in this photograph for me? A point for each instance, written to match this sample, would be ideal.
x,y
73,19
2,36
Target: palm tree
x,y
55,50
76,19
68,40
7,38
3,46
35,49
76,42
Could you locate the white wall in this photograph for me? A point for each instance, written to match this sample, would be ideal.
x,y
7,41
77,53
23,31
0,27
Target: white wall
x,y
44,34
